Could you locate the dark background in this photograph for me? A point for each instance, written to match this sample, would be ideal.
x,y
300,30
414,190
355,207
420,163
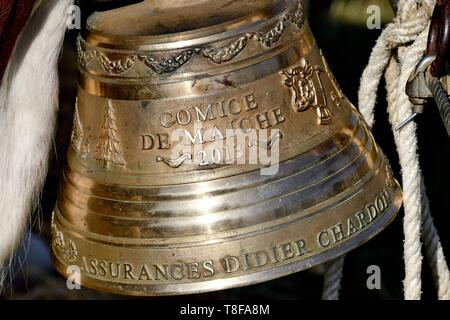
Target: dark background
x,y
341,32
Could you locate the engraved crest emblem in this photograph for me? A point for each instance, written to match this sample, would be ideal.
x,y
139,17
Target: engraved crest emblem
x,y
390,180
66,248
336,93
307,90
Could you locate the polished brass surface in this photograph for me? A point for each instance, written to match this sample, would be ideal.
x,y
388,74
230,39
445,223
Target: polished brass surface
x,y
212,148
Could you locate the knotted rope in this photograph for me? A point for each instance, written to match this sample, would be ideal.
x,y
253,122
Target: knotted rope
x,y
396,53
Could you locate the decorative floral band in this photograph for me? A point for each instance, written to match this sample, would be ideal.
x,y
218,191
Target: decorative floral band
x,y
86,53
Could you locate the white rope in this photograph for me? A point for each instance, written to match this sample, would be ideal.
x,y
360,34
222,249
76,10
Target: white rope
x,y
395,54
406,142
332,279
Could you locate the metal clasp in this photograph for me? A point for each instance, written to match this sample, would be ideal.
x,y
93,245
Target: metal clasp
x,y
418,89
432,65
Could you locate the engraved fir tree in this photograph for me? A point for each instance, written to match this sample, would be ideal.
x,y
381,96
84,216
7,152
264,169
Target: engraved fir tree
x,y
107,151
77,134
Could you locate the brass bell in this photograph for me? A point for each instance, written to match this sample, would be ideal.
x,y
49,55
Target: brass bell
x,y
212,148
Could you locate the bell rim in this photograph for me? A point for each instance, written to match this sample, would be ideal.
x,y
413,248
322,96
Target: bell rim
x,y
253,278
219,32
